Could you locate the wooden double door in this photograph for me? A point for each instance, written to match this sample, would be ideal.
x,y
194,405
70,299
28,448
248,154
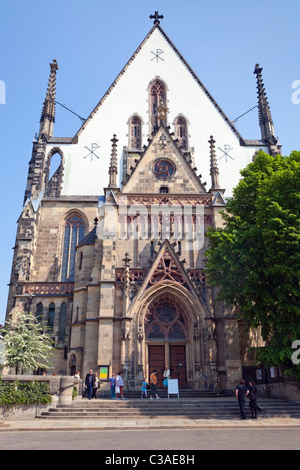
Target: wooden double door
x,y
177,363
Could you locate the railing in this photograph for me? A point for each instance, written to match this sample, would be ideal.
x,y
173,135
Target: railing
x,y
49,288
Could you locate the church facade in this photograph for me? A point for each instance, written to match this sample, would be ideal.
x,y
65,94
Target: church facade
x,y
110,248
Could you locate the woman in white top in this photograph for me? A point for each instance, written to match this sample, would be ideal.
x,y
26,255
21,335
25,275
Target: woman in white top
x,y
119,386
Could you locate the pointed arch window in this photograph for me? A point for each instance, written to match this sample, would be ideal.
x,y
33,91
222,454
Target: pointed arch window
x,y
51,315
74,233
181,131
135,133
157,95
39,312
166,321
62,323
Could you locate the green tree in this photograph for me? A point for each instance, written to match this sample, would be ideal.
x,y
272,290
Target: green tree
x,y
27,346
255,257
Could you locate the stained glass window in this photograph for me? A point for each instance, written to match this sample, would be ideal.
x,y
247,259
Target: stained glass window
x,y
74,233
157,95
166,321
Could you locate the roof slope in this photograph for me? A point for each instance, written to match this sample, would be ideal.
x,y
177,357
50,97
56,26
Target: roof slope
x,y
158,27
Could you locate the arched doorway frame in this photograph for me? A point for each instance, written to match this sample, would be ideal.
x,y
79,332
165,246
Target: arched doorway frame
x,y
195,314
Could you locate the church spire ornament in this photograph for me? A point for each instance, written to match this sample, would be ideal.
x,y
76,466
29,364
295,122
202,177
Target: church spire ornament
x,y
214,170
264,112
113,166
48,113
156,17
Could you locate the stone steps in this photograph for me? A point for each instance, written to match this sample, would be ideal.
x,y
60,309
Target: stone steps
x,y
166,409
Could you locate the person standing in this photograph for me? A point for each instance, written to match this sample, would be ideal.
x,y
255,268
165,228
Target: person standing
x,y
119,385
153,385
112,383
166,376
90,383
144,388
95,387
241,392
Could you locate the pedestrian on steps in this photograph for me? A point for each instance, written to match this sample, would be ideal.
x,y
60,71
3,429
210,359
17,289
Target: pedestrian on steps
x,y
119,385
241,392
153,385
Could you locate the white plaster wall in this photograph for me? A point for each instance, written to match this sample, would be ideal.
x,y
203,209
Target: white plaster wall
x,y
84,176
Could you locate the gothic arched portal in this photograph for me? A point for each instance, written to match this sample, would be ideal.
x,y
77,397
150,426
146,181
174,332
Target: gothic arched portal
x,y
170,324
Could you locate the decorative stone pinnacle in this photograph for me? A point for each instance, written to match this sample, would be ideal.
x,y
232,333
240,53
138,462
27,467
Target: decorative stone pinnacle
x,y
264,113
162,112
126,260
113,166
214,170
48,113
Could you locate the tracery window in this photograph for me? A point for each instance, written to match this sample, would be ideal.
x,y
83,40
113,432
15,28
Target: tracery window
x,y
166,322
157,96
74,233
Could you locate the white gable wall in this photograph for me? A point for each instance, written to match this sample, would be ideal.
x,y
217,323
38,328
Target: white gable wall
x,y
83,176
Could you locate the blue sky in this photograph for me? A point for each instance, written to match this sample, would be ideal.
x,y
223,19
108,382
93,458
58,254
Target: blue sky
x,y
92,41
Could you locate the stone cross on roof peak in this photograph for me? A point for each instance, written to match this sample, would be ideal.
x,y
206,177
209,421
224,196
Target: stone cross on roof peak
x,y
156,17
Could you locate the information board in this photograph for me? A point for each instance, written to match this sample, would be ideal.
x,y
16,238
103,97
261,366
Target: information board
x,y
173,388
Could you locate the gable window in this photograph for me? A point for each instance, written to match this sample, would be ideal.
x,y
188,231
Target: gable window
x,y
181,132
157,95
135,133
164,190
74,233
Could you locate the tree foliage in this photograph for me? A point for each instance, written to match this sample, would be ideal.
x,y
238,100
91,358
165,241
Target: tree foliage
x,y
255,257
27,346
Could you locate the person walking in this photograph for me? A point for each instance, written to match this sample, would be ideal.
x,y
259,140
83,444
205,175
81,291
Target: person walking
x,y
119,385
144,387
112,383
241,392
95,387
153,385
253,405
89,383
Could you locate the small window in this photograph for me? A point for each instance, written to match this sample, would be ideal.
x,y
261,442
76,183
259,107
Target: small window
x,y
51,315
181,132
39,312
164,190
80,261
62,323
135,133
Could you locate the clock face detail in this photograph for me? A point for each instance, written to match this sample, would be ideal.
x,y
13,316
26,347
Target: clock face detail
x,y
163,169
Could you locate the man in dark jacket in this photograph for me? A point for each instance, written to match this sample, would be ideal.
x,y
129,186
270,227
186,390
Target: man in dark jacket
x,y
90,383
241,392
